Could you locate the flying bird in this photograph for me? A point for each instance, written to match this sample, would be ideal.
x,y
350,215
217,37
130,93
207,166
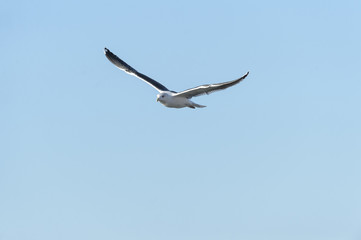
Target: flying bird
x,y
167,97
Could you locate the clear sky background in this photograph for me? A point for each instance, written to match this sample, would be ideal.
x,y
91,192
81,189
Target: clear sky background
x,y
87,153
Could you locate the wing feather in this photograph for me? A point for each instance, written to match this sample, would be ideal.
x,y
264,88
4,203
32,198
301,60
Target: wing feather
x,y
209,88
128,69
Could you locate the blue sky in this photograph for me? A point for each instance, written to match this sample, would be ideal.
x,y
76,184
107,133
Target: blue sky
x,y
87,153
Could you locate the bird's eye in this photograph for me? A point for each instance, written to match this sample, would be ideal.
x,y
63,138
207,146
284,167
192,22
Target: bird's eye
x,y
162,96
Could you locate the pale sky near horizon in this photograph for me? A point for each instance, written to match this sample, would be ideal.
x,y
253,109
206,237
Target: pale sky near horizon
x,y
88,153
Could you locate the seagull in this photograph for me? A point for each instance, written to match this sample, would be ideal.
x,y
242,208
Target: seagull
x,y
167,97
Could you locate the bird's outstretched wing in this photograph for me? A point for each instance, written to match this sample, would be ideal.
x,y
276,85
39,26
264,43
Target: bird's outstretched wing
x,y
128,69
208,88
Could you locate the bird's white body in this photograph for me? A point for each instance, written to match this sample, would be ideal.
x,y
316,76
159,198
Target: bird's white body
x,y
169,99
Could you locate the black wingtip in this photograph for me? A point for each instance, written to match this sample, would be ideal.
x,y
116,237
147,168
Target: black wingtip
x,y
106,50
245,75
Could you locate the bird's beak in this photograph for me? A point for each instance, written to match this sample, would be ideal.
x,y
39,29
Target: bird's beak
x,y
157,99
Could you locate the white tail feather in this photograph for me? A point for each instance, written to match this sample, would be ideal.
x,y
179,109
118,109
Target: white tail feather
x,y
198,106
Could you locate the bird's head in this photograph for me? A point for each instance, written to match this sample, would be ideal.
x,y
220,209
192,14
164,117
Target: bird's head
x,y
162,97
